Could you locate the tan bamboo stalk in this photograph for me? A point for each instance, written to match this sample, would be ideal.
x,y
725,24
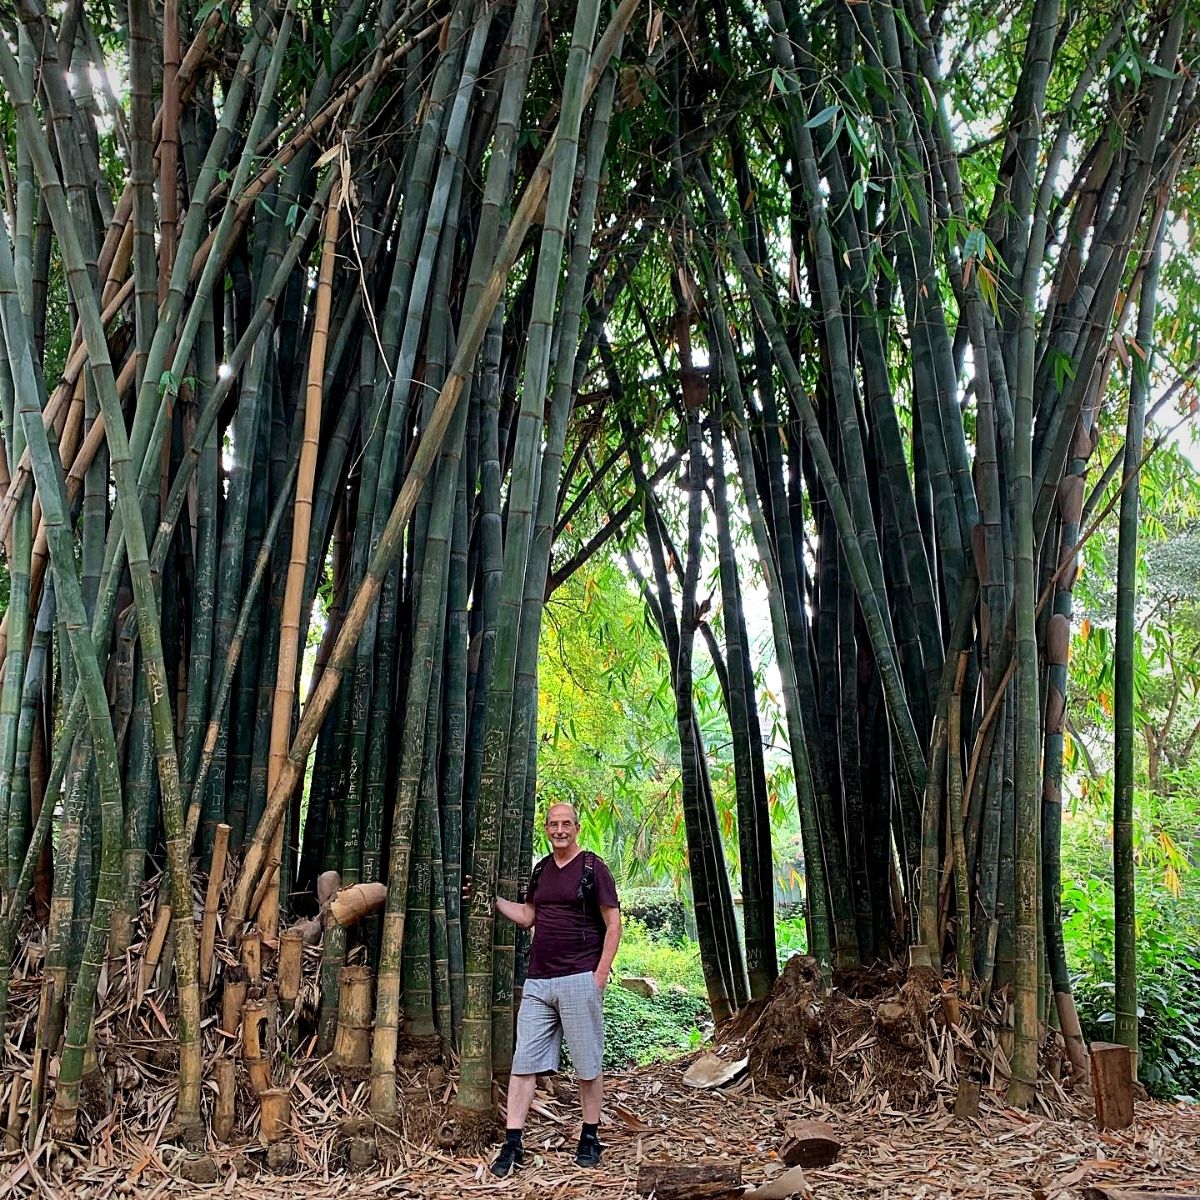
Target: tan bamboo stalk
x,y
289,628
252,956
154,948
212,897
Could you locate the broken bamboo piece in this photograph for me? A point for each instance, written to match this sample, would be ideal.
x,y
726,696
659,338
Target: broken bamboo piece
x,y
212,898
158,938
358,900
680,1181
809,1144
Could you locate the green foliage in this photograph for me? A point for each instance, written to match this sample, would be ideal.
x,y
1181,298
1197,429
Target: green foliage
x,y
1168,979
790,937
669,965
639,1031
658,909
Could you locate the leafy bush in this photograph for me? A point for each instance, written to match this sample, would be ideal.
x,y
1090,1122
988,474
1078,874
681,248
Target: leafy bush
x,y
790,937
659,909
638,1030
642,953
1168,980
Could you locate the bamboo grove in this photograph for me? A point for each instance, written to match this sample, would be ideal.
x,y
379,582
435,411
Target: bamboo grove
x,y
364,327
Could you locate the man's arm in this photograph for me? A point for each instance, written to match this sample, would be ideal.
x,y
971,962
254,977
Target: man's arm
x,y
612,939
518,914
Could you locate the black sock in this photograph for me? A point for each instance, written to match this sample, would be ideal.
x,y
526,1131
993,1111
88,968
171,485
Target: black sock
x,y
512,1137
592,1131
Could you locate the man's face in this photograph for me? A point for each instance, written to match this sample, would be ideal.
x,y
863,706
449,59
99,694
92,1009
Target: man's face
x,y
561,827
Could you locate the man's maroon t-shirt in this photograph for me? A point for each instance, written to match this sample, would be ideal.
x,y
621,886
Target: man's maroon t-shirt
x,y
567,940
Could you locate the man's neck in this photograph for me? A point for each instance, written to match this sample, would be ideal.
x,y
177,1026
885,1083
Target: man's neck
x,y
562,857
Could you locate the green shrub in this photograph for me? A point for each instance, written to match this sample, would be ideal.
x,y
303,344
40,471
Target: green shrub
x,y
658,909
1168,979
790,937
668,965
638,1030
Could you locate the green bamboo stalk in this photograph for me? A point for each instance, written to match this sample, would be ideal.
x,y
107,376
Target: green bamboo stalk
x,y
70,601
76,269
1125,1028
820,924
523,728
200,660
475,322
898,711
475,1091
18,563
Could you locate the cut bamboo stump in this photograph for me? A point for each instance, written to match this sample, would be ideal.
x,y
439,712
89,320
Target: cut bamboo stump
x,y
1112,1085
275,1111
809,1144
225,1113
291,962
678,1181
254,1040
212,899
352,1042
12,1128
966,1100
252,956
232,1000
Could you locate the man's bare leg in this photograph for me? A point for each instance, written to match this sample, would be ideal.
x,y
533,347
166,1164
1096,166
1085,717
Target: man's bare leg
x,y
520,1097
591,1097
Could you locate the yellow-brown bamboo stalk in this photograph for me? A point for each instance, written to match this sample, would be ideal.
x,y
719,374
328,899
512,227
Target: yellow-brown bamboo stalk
x,y
289,629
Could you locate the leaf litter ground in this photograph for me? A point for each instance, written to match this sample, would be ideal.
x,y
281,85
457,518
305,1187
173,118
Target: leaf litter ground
x,y
878,1058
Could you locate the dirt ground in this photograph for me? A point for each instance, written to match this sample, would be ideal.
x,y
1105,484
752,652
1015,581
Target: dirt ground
x,y
651,1115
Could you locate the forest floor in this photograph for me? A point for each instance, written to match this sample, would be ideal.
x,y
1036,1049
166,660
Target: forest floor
x,y
878,1059
651,1115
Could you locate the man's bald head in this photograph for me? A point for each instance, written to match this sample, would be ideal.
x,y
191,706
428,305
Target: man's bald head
x,y
559,812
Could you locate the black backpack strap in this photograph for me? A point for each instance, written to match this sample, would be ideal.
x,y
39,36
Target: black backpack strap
x,y
534,876
587,888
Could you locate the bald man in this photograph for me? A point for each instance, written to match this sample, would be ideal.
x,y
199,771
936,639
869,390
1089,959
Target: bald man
x,y
572,907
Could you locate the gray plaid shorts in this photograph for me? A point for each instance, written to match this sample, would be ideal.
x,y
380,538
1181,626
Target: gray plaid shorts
x,y
571,1005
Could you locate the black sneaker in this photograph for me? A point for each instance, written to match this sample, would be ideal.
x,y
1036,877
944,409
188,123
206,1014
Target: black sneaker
x,y
510,1157
588,1154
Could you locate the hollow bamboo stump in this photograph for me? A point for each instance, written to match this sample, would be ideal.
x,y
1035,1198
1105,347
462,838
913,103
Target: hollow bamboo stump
x,y
232,1000
275,1111
254,1042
